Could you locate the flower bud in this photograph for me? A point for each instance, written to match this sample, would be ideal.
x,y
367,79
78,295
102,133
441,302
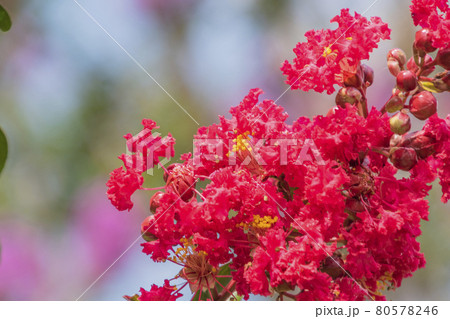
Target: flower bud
x,y
400,123
406,80
356,79
443,58
348,95
403,158
354,205
427,67
181,179
442,81
396,92
394,104
423,105
423,41
168,171
155,201
424,145
411,65
333,266
394,67
395,140
398,55
368,74
359,182
145,229
135,297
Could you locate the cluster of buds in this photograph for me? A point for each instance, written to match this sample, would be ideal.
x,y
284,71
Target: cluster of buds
x,y
406,150
413,83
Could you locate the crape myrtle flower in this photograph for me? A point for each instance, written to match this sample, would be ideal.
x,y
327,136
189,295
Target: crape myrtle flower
x,y
434,15
312,210
439,131
164,293
332,228
121,185
146,148
328,57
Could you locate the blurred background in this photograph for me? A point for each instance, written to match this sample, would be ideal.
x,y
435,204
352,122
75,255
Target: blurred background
x,y
69,93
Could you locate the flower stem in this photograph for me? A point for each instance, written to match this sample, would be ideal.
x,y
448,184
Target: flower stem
x,y
227,291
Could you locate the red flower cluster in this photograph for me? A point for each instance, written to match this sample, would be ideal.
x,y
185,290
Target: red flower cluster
x,y
145,150
165,293
122,185
330,56
311,210
438,131
434,15
339,228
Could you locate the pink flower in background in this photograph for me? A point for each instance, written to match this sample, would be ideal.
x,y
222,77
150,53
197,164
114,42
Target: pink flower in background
x,y
35,262
97,236
22,262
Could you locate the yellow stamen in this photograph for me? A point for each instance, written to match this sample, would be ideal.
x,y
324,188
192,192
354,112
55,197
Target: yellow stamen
x,y
327,51
264,222
240,143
